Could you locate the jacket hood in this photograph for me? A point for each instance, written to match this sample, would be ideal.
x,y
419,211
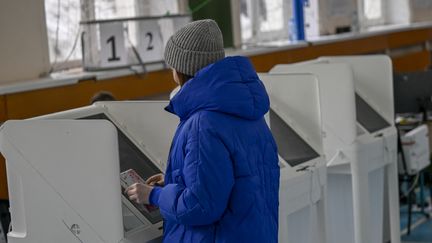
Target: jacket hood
x,y
229,86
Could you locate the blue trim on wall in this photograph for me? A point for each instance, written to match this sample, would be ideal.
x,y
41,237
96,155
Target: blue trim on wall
x,y
298,19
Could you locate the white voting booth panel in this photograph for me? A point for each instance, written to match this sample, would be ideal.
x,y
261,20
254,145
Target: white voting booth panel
x,y
63,181
150,125
339,127
415,145
145,123
335,102
146,130
373,82
295,121
358,153
144,133
357,156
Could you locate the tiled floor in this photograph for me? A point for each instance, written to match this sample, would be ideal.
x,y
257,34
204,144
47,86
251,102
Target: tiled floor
x,y
422,233
421,230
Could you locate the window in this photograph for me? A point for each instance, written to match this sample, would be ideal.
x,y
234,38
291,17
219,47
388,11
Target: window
x,y
246,20
63,18
373,9
372,12
264,20
271,15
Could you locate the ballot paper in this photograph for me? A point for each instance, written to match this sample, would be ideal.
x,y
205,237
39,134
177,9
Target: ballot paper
x,y
130,177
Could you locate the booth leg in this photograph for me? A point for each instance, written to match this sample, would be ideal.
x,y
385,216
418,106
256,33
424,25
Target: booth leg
x,y
430,188
393,202
4,220
360,188
324,216
2,235
422,197
409,212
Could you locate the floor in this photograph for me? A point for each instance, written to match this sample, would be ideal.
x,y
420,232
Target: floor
x,y
421,230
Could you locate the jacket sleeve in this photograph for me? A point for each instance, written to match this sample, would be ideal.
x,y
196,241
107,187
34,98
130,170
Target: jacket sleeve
x,y
201,195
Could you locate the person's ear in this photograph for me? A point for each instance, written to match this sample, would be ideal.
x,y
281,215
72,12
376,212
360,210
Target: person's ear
x,y
175,76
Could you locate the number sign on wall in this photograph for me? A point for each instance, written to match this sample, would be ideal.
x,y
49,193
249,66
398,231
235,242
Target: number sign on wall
x,y
150,42
113,50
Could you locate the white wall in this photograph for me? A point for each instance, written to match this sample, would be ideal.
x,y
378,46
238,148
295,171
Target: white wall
x,y
397,11
23,40
422,10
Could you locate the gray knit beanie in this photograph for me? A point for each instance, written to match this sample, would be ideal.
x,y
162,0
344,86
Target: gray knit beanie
x,y
195,46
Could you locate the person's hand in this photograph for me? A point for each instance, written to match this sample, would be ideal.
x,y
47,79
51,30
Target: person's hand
x,y
157,180
139,193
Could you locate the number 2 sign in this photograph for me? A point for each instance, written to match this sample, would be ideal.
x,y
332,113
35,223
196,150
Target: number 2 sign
x,y
113,50
150,41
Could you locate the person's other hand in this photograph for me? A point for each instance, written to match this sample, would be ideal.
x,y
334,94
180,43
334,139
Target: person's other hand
x,y
157,179
139,193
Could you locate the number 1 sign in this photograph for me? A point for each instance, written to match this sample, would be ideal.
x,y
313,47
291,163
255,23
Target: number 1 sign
x,y
150,41
113,50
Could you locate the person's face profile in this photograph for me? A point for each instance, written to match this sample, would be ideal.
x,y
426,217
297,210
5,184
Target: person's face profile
x,y
175,76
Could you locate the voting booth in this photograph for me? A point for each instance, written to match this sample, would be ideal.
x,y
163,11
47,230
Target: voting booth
x,y
64,172
373,82
49,167
295,121
61,155
360,145
416,152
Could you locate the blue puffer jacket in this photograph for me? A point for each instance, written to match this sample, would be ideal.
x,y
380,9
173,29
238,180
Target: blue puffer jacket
x,y
222,179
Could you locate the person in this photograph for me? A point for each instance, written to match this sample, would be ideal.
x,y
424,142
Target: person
x,y
222,179
102,96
